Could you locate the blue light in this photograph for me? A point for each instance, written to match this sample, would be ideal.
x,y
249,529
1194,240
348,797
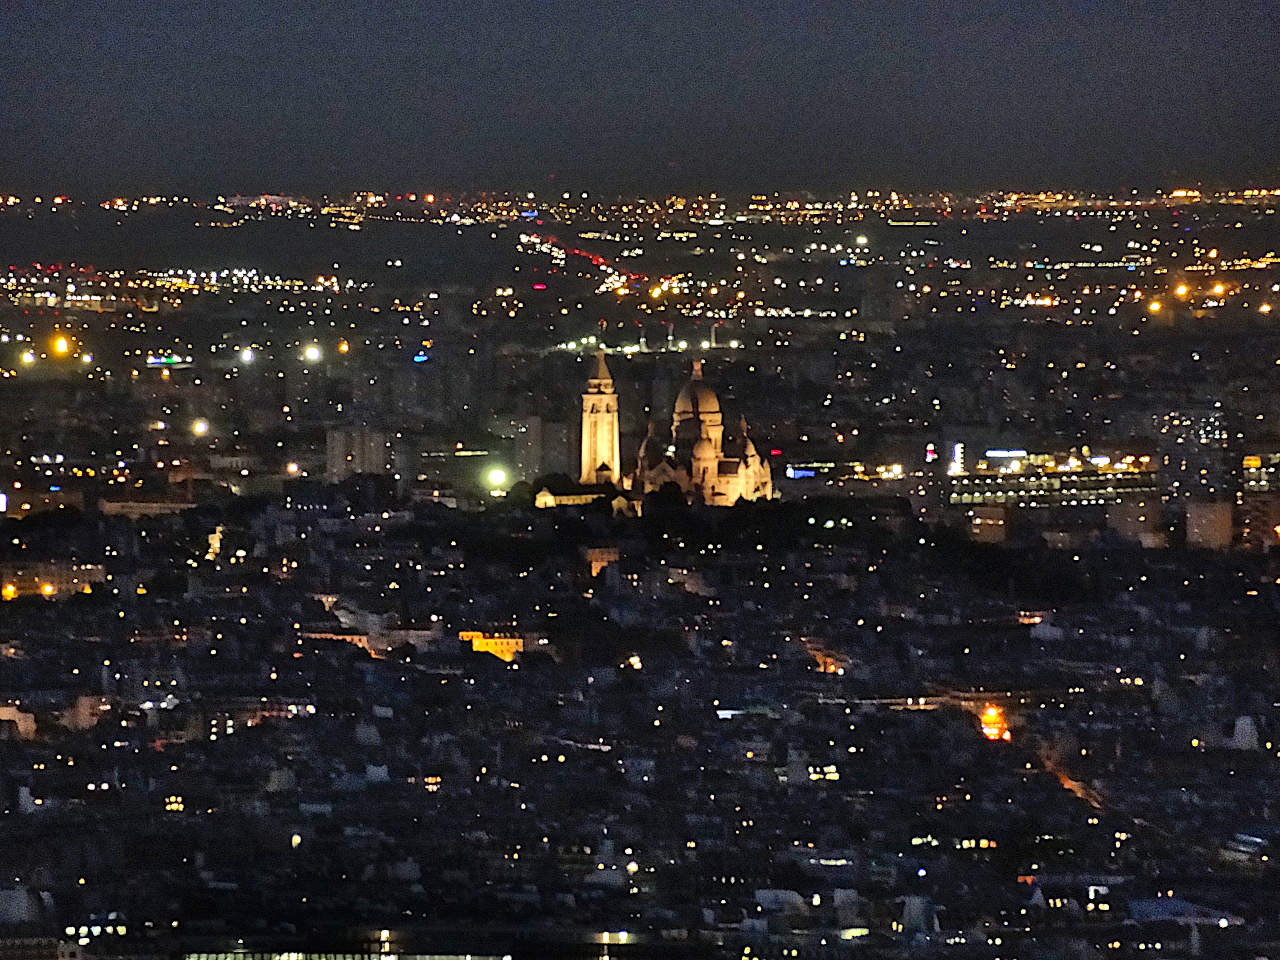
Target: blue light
x,y
421,358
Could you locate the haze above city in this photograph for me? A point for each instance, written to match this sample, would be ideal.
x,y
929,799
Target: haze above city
x,y
251,97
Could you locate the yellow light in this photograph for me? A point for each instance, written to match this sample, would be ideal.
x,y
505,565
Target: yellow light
x,y
1153,306
1219,289
200,427
28,357
48,589
61,345
9,591
292,469
343,347
1181,290
295,841
497,477
655,292
994,725
1265,308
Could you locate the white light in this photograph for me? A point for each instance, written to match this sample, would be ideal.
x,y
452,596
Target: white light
x,y
246,355
311,354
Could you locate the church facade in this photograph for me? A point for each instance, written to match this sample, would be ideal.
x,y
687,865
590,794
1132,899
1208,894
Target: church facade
x,y
695,455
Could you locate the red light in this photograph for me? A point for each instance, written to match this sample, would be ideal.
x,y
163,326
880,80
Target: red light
x,y
775,452
539,286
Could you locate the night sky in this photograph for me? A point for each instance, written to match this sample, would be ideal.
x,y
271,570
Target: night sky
x,y
254,96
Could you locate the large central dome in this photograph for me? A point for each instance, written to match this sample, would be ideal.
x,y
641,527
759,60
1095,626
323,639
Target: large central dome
x,y
696,400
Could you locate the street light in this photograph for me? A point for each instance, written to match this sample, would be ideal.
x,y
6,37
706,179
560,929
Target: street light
x,y
200,426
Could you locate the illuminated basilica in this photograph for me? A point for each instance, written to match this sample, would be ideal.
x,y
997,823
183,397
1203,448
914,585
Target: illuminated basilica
x,y
695,455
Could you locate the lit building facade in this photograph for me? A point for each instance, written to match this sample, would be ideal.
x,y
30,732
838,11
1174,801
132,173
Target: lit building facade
x,y
696,456
504,646
1018,478
601,451
50,580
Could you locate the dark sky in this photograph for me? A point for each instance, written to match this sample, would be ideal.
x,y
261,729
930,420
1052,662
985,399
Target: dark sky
x,y
255,96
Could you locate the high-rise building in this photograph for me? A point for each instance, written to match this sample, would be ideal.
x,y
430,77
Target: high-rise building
x,y
601,457
353,450
1194,448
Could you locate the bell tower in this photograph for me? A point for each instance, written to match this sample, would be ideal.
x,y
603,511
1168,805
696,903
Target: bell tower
x,y
601,460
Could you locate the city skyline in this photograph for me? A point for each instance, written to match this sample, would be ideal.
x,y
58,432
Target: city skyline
x,y
683,480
